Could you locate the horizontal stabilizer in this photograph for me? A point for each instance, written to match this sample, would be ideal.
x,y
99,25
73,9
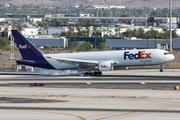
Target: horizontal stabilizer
x,y
25,61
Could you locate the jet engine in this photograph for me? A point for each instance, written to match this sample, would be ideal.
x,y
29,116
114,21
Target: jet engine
x,y
105,66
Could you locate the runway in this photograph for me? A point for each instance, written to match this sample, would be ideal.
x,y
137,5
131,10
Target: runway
x,y
108,97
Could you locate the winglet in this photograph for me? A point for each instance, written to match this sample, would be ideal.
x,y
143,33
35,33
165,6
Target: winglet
x,y
26,48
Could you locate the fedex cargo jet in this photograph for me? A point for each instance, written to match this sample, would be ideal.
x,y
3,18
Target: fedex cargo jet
x,y
98,61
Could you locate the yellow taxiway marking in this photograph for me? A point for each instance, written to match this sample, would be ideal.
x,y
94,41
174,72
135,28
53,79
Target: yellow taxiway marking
x,y
115,115
54,113
143,83
135,112
88,83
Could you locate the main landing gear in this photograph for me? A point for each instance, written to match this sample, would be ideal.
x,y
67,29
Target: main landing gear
x,y
161,68
95,73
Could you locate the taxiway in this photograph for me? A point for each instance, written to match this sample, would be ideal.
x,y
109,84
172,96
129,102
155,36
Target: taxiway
x,y
127,94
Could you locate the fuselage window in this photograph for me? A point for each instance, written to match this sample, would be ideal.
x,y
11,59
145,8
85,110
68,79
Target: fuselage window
x,y
166,53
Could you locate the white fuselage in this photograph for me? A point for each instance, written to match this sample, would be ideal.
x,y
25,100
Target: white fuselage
x,y
140,57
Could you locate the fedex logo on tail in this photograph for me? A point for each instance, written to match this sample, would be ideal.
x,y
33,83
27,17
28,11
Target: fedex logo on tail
x,y
26,46
139,55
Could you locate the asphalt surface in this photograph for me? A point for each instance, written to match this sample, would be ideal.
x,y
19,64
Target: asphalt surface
x,y
135,94
113,85
124,79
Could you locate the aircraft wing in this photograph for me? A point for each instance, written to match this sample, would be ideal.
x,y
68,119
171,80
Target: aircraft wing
x,y
75,61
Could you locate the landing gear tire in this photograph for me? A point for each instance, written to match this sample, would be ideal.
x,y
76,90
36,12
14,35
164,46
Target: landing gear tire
x,y
98,73
161,70
93,74
88,74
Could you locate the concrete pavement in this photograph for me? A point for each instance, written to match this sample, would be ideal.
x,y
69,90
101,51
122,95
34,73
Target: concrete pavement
x,y
19,101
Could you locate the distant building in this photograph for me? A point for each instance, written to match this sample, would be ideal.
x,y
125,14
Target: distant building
x,y
5,33
69,15
5,26
107,7
49,15
113,44
118,44
26,25
54,30
84,15
94,41
30,31
76,6
54,15
164,21
53,42
101,6
176,43
11,15
119,7
6,5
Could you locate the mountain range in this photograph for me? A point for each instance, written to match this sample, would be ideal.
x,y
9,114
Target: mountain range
x,y
127,3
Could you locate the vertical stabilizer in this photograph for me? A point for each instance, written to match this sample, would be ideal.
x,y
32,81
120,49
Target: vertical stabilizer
x,y
26,48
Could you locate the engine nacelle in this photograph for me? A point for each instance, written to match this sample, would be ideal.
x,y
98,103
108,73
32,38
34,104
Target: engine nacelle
x,y
105,66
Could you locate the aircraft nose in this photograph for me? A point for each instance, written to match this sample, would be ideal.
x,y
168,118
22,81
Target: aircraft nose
x,y
172,57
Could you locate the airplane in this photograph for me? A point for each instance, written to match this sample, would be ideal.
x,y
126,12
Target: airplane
x,y
98,61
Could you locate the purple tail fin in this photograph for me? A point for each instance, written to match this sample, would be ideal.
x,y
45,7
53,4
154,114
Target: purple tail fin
x,y
26,48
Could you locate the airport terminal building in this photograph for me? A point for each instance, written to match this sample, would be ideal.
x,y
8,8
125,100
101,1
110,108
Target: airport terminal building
x,y
114,20
113,43
118,44
53,42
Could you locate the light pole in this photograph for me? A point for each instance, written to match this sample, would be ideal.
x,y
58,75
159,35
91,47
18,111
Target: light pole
x,y
97,12
170,25
146,20
12,52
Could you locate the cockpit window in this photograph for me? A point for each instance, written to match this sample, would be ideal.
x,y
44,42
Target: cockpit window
x,y
166,53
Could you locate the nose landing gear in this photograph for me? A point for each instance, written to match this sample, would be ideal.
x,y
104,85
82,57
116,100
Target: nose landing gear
x,y
161,68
